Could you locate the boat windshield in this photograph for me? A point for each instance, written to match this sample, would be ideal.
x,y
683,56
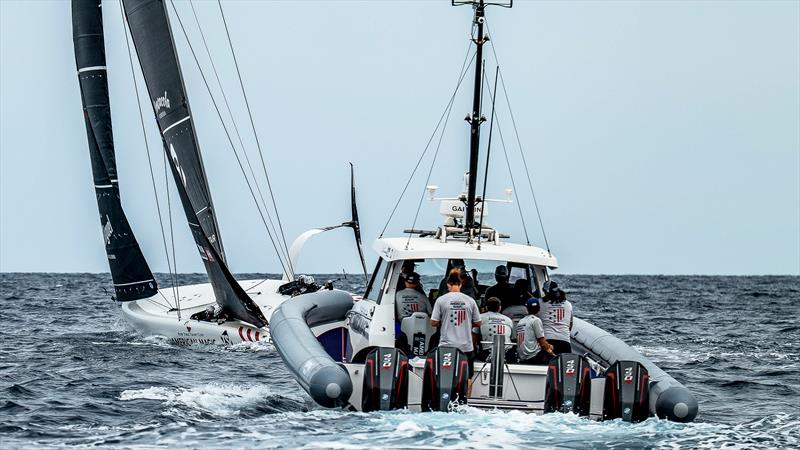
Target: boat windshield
x,y
433,272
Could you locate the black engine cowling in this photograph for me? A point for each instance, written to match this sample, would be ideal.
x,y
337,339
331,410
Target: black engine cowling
x,y
569,385
446,379
627,392
385,380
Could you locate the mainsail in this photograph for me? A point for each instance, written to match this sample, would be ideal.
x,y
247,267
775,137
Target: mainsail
x,y
152,37
132,277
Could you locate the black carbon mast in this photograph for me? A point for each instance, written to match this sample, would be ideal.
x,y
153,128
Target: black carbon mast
x,y
152,37
475,118
132,277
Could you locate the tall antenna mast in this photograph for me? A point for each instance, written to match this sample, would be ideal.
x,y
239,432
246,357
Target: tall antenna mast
x,y
475,119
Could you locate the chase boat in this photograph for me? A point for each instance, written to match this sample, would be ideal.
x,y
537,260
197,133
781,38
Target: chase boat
x,y
353,352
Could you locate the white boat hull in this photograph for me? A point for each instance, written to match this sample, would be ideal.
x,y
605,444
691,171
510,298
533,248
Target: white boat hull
x,y
159,316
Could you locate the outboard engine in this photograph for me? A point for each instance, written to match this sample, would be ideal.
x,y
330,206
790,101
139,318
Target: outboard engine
x,y
446,379
385,380
627,392
568,386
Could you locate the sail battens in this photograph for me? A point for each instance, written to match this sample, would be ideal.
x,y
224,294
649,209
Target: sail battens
x,y
175,124
133,283
91,69
125,259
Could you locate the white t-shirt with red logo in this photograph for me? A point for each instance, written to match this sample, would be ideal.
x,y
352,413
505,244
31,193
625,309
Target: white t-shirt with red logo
x,y
409,301
556,318
494,323
456,312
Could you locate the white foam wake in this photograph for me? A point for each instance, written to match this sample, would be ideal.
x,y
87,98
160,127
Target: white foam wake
x,y
215,399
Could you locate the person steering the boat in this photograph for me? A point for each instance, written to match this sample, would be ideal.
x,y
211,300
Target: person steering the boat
x,y
532,347
492,323
410,299
516,309
456,314
503,289
556,315
467,284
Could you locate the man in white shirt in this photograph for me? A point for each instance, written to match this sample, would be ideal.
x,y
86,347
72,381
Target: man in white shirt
x,y
556,315
457,314
532,348
410,300
492,323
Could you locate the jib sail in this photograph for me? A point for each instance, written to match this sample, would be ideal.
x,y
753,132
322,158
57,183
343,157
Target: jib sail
x,y
132,277
152,37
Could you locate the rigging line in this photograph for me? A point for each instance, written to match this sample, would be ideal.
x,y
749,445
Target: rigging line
x,y
255,134
488,152
146,143
430,171
511,175
519,143
176,291
230,141
236,129
464,69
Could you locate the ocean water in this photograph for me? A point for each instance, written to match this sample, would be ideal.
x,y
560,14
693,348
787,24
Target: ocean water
x,y
73,374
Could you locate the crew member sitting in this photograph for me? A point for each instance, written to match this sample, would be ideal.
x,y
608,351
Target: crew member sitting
x,y
502,290
492,323
517,310
409,266
457,314
410,299
556,315
467,284
532,348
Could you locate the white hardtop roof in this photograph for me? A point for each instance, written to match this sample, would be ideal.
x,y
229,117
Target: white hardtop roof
x,y
394,249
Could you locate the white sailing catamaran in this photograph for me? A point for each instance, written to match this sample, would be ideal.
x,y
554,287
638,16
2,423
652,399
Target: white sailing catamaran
x,y
345,350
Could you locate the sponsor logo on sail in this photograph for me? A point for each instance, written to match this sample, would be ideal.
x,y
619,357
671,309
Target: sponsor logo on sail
x,y
159,103
108,230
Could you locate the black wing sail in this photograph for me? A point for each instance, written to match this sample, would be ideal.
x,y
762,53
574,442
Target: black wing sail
x,y
129,270
152,37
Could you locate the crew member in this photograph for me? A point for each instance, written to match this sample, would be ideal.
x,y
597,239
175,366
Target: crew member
x,y
532,348
516,309
409,266
410,299
502,290
467,284
556,315
492,323
457,314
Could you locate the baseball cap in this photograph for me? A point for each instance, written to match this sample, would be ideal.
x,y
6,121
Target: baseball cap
x,y
533,301
411,277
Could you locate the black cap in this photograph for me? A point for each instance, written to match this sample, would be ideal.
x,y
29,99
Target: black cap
x,y
411,277
550,286
501,272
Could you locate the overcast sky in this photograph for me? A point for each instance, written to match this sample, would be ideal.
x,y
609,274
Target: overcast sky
x,y
663,137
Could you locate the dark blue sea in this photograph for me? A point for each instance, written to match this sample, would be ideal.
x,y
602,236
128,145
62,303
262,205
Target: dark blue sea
x,y
73,374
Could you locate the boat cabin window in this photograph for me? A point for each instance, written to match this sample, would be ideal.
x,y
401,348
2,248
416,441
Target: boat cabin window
x,y
377,281
433,272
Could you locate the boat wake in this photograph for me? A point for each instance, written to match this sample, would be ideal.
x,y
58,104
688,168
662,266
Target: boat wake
x,y
470,427
211,401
